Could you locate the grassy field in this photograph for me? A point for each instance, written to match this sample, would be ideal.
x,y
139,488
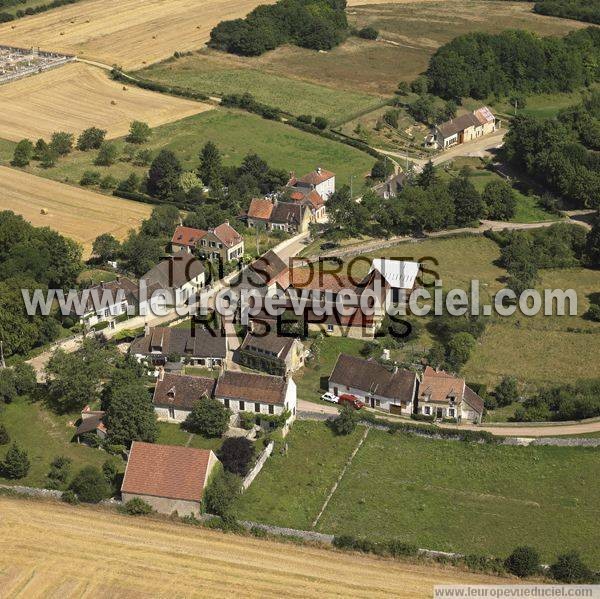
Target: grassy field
x,y
538,350
236,134
76,213
173,434
44,435
217,73
77,96
444,495
479,499
48,549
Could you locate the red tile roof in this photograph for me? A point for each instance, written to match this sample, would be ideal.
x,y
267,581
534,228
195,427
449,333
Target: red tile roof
x,y
168,471
316,177
440,385
260,208
187,236
227,235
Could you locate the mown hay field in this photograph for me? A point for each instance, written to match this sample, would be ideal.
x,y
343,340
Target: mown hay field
x,y
76,213
77,96
56,550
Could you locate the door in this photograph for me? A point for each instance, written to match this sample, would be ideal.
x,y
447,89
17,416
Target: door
x,y
395,409
372,400
439,413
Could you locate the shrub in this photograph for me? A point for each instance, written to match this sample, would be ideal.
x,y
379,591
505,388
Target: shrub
x,y
305,118
321,123
569,568
16,463
523,561
70,497
236,455
23,153
110,471
593,312
423,417
345,423
247,420
209,418
89,485
221,493
4,436
137,507
107,155
397,548
61,143
139,133
108,182
90,178
91,139
368,33
60,470
506,392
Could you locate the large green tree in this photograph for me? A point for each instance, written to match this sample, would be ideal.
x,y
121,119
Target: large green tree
x,y
210,170
209,417
164,175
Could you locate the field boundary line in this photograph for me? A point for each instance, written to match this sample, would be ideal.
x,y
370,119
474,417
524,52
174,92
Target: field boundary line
x,y
339,479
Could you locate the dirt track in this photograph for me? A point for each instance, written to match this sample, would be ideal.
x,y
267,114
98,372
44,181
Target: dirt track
x,y
74,212
77,96
131,33
54,550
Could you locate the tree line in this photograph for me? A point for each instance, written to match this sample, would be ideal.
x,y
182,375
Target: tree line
x,y
315,24
581,10
480,65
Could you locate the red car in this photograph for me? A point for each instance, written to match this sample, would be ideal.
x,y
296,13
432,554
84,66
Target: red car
x,y
351,400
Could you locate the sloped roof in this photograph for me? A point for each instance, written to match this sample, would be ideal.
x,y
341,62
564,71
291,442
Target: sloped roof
x,y
307,278
397,273
182,390
288,213
187,236
473,400
439,386
249,387
269,267
316,177
94,421
308,196
484,115
227,235
106,294
203,344
260,208
458,124
268,342
371,377
174,272
169,471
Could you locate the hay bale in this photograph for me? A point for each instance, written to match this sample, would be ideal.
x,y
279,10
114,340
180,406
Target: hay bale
x,y
44,211
113,103
124,89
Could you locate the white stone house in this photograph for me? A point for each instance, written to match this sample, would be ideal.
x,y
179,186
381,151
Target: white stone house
x,y
464,128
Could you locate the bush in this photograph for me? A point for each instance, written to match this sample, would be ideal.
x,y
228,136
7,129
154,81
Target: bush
x,y
221,493
139,133
506,392
107,155
305,118
90,178
89,485
60,470
108,182
70,497
209,418
23,153
110,471
397,548
236,455
523,561
91,139
137,507
61,143
16,463
368,33
4,436
247,420
346,422
321,123
423,417
593,312
569,568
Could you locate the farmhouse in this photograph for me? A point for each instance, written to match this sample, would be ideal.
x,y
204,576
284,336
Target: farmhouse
x,y
168,477
175,395
392,187
175,279
379,387
258,393
312,199
200,346
463,128
265,274
263,349
107,302
221,243
277,215
92,423
443,395
319,180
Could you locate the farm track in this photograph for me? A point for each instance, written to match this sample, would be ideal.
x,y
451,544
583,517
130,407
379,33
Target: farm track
x,y
51,549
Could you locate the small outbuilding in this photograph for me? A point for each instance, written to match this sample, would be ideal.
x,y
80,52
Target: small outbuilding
x,y
170,478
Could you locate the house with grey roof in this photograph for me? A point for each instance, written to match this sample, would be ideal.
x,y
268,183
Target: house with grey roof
x,y
175,394
463,128
264,349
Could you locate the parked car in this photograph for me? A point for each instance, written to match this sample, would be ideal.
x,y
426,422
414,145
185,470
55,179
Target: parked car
x,y
351,400
330,397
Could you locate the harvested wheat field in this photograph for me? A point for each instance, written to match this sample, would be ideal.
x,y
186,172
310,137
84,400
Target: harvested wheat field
x,y
74,212
77,96
131,33
51,549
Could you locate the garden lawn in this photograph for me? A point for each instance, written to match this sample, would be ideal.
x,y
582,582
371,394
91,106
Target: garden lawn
x,y
171,433
470,498
291,489
237,134
44,435
216,73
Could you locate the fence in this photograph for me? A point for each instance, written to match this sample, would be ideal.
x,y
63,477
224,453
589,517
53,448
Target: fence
x,y
264,456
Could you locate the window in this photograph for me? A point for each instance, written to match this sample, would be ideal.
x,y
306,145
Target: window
x,y
377,403
271,409
257,407
330,328
226,403
171,412
242,406
451,412
427,410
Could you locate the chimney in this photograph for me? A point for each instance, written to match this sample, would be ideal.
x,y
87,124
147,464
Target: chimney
x,y
227,222
318,170
146,329
161,373
101,284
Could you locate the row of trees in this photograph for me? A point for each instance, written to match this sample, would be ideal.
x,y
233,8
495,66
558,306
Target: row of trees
x,y
316,24
482,64
581,10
